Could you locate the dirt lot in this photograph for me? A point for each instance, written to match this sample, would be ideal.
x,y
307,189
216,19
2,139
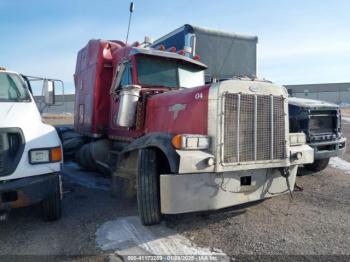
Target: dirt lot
x,y
58,119
315,222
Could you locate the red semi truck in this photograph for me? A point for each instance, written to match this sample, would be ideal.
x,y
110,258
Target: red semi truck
x,y
179,144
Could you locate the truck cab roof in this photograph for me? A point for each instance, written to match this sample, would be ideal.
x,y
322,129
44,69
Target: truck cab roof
x,y
4,70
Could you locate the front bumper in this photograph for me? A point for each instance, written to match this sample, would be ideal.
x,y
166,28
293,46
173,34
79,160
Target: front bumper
x,y
194,191
29,190
329,149
211,191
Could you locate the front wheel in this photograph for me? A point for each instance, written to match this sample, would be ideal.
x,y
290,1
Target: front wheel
x,y
51,205
148,190
318,165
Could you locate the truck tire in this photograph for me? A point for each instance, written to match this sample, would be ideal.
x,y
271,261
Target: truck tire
x,y
318,165
51,206
148,199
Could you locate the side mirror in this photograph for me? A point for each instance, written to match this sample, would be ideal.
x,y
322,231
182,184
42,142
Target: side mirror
x,y
117,78
120,72
49,92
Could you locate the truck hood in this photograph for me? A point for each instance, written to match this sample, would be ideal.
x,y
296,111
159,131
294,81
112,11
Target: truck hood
x,y
310,103
25,115
18,114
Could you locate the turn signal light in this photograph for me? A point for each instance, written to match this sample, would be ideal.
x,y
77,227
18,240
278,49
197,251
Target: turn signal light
x,y
177,141
56,154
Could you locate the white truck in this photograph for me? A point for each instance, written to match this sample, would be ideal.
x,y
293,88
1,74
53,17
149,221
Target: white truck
x,y
30,151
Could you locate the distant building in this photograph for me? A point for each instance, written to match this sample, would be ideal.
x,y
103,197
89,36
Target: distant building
x,y
338,93
63,104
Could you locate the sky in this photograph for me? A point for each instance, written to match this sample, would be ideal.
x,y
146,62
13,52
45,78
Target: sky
x,y
300,42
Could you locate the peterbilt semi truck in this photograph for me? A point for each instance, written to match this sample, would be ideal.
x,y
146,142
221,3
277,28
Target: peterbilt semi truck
x,y
179,144
231,55
30,151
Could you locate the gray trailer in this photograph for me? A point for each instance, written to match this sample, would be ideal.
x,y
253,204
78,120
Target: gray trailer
x,y
226,54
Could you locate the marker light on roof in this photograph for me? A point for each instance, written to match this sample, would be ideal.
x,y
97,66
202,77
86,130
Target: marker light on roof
x,y
197,57
161,47
172,49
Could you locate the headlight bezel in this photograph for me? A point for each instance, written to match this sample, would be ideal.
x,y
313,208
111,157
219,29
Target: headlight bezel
x,y
53,155
297,139
191,142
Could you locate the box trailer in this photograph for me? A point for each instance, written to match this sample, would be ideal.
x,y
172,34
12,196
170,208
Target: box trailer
x,y
226,54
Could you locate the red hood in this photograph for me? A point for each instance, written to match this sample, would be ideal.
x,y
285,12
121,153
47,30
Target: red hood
x,y
179,112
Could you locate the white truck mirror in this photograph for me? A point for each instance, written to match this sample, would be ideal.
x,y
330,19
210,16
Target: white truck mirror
x,y
49,92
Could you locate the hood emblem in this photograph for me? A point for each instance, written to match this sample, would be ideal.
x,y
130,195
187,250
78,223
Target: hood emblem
x,y
176,108
255,89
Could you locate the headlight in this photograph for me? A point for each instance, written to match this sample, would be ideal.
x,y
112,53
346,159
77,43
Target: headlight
x,y
296,139
45,155
189,142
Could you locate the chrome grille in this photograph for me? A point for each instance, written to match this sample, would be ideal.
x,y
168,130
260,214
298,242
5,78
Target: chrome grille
x,y
254,128
12,145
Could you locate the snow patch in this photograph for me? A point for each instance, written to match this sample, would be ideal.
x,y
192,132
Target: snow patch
x,y
341,164
344,105
128,236
346,119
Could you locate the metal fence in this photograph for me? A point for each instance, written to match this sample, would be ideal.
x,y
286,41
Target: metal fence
x,y
64,104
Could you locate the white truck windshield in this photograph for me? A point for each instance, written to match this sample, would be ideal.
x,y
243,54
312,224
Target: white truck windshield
x,y
156,71
12,88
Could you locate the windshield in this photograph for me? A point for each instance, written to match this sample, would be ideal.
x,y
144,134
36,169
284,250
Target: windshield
x,y
158,71
12,88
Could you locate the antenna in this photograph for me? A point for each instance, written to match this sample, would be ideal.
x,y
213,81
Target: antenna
x,y
131,10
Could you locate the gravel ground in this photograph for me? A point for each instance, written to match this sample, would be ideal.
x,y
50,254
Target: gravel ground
x,y
84,209
315,222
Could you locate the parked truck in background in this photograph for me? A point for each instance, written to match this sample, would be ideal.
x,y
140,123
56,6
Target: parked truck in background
x,y
179,144
30,151
321,122
230,55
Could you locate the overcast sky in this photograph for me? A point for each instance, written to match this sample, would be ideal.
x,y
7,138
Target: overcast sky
x,y
299,41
